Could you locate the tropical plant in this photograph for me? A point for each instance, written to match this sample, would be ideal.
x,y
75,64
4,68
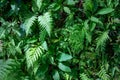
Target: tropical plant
x,y
59,39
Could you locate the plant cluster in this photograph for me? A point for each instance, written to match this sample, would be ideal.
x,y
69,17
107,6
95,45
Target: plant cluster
x,y
59,39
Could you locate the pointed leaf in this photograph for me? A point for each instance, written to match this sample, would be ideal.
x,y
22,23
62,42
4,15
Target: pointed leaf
x,y
64,67
44,45
94,19
67,10
56,76
105,11
39,3
64,57
71,2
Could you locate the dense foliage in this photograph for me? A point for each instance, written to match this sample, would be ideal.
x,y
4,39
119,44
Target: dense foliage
x,y
59,40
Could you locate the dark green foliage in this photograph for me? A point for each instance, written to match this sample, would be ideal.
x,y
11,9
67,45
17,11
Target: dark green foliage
x,y
59,40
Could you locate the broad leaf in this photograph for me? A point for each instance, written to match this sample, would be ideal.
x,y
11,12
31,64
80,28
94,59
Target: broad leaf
x,y
64,57
64,67
67,10
56,76
44,45
105,11
71,2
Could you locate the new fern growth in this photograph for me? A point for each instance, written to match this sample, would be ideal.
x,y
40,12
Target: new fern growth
x,y
33,54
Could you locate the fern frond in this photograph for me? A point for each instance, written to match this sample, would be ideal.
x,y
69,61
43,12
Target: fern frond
x,y
46,22
5,67
76,43
28,23
101,40
33,54
103,75
84,77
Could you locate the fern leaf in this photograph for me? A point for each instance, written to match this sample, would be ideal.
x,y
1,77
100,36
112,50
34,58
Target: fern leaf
x,y
28,23
46,22
84,77
101,40
33,54
5,67
103,75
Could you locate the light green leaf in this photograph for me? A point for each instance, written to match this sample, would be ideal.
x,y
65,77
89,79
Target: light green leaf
x,y
67,10
33,54
64,67
101,40
71,2
84,77
56,76
39,3
93,25
44,45
2,33
64,57
103,74
105,11
94,19
46,22
88,36
55,6
28,23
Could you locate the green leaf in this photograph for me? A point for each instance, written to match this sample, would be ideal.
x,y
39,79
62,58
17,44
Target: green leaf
x,y
84,77
46,22
64,57
2,33
101,40
33,54
103,74
56,76
55,6
6,66
39,3
94,19
86,31
93,25
64,67
71,2
67,10
88,5
105,11
28,23
44,45
88,36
